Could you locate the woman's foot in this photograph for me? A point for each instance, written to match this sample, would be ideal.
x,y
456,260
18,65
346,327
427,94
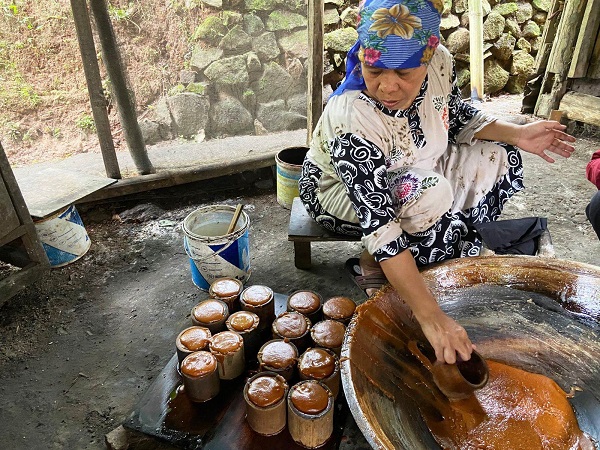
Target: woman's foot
x,y
370,268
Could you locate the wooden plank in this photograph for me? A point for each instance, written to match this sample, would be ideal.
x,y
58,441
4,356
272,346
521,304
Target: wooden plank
x,y
586,86
49,190
555,115
566,37
315,65
585,40
581,107
550,27
13,234
594,70
17,281
8,216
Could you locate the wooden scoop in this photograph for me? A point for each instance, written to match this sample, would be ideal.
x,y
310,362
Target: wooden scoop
x,y
456,381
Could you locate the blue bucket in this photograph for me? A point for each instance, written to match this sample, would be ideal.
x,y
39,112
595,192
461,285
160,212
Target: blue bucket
x,y
63,237
212,252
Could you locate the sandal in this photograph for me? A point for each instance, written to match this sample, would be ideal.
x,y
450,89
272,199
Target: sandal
x,y
364,282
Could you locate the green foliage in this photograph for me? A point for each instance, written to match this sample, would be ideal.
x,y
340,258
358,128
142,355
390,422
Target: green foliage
x,y
86,123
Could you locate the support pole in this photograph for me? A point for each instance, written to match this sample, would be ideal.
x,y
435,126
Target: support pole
x,y
94,85
476,53
123,95
315,66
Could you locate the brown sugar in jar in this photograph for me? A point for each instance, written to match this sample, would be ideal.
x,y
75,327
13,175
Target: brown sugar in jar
x,y
310,413
307,303
339,308
329,334
199,371
228,348
293,326
265,394
246,324
259,299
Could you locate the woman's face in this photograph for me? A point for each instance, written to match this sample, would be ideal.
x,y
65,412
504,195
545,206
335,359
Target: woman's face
x,y
394,89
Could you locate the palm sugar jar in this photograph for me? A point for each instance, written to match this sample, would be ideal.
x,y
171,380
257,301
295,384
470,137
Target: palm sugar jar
x,y
322,365
329,334
278,356
260,300
293,326
310,413
228,290
210,313
245,323
265,395
200,376
228,348
339,308
192,339
306,302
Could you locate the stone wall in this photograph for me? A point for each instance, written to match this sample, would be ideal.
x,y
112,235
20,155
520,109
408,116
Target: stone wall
x,y
247,74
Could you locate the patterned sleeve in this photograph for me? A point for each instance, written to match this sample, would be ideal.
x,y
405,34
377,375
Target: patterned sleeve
x,y
460,112
361,166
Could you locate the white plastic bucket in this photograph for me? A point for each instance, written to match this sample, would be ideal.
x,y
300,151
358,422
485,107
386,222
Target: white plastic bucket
x,y
63,237
213,253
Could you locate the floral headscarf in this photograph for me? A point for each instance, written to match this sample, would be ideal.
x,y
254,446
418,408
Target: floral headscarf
x,y
392,34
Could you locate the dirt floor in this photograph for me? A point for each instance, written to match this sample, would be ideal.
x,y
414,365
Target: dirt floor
x,y
79,347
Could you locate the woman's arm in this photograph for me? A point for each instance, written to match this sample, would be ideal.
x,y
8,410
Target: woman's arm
x,y
536,137
444,334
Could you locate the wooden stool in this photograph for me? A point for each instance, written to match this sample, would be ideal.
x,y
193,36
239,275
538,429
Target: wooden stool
x,y
303,230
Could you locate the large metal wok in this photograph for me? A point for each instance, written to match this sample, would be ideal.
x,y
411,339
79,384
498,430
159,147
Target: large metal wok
x,y
540,315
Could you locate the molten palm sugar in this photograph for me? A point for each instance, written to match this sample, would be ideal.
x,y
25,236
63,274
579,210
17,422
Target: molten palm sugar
x,y
291,325
339,308
305,302
278,354
195,338
209,311
316,363
242,321
257,295
517,409
226,342
266,390
310,397
328,333
199,364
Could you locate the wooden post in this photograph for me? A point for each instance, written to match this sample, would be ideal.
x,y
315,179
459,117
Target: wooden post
x,y
315,66
476,53
94,85
585,40
550,27
124,96
555,80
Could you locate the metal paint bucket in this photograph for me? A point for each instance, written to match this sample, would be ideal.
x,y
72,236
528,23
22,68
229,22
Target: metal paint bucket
x,y
63,237
289,167
213,253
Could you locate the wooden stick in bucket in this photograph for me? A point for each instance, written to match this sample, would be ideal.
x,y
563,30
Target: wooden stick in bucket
x,y
235,218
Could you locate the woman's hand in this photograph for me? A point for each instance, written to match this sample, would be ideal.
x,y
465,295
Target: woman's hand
x,y
545,135
446,337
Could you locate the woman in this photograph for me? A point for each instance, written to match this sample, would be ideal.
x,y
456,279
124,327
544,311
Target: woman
x,y
400,159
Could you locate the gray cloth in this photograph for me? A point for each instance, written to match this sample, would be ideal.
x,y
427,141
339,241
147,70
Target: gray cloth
x,y
514,236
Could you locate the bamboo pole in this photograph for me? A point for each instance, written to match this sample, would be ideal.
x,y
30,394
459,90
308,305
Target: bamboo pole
x,y
94,85
315,66
476,49
123,95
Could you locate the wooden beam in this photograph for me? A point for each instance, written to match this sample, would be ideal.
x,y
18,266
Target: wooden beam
x,y
550,27
585,40
476,49
594,69
94,85
581,107
124,96
315,66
